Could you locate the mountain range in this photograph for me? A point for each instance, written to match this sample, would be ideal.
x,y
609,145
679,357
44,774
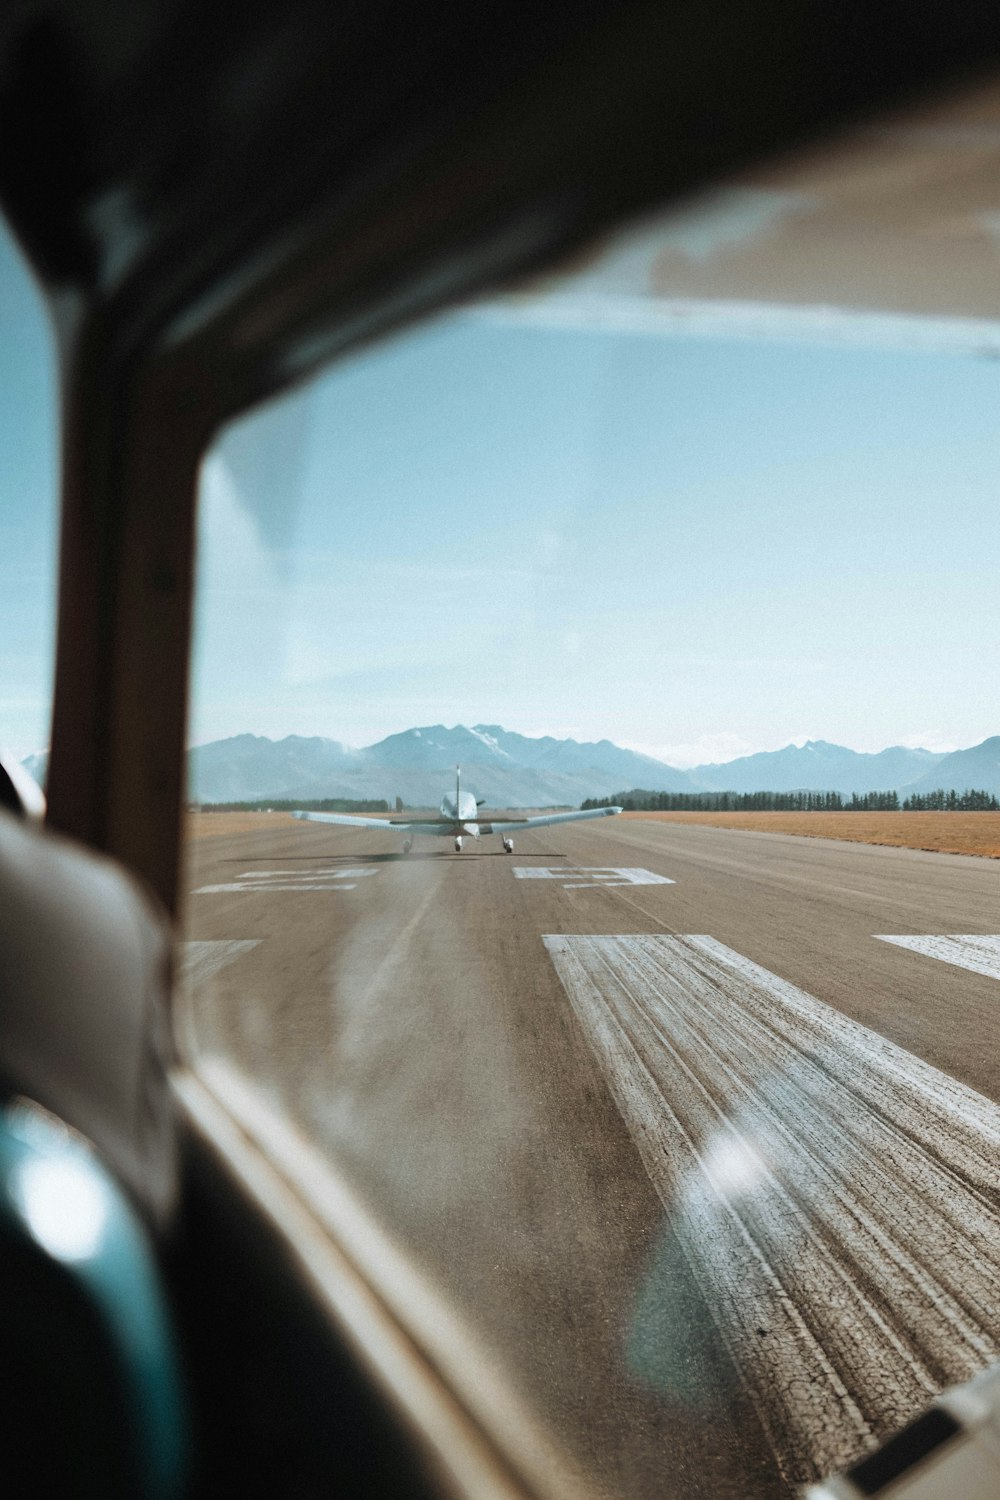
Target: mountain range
x,y
507,770
514,770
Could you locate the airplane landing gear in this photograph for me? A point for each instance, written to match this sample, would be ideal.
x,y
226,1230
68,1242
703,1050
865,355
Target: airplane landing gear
x,y
407,845
458,845
508,846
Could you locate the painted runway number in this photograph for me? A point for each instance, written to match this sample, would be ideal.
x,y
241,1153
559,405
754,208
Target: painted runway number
x,y
581,880
836,1198
333,878
978,952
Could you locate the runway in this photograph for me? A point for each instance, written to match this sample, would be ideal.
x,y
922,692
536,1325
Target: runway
x,y
694,1132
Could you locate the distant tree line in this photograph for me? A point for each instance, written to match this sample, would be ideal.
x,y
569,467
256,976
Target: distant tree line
x,y
638,800
307,804
942,801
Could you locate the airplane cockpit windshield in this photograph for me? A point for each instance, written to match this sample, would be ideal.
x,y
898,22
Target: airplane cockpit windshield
x,y
669,1134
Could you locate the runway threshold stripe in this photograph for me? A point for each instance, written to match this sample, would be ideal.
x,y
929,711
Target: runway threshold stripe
x,y
590,876
837,1198
271,890
200,960
326,872
969,950
331,878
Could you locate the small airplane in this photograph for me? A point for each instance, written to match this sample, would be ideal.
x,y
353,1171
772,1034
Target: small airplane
x,y
458,819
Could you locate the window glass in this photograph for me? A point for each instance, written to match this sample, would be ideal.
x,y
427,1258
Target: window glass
x,y
28,511
669,1134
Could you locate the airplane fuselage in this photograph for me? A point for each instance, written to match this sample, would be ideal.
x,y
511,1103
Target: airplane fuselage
x,y
461,810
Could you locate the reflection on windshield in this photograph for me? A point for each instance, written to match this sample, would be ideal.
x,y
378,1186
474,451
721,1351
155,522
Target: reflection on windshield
x,y
672,1138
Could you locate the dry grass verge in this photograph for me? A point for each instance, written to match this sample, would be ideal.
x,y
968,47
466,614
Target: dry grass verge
x,y
941,832
203,825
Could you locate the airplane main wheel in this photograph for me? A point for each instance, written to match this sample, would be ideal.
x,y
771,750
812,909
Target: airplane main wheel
x,y
508,845
407,845
458,846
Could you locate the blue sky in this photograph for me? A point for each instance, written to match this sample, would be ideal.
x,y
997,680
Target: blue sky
x,y
697,546
28,485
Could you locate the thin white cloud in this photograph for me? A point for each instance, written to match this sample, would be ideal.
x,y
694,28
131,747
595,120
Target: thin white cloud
x,y
931,739
231,550
706,750
758,322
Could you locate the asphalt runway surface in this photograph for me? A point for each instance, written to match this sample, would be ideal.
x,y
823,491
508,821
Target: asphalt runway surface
x,y
694,1130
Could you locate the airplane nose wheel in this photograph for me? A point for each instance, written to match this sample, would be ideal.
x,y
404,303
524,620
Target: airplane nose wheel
x,y
458,846
508,846
407,845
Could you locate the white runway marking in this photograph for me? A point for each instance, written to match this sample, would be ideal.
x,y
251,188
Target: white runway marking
x,y
331,878
199,961
837,1199
599,876
326,872
212,890
978,952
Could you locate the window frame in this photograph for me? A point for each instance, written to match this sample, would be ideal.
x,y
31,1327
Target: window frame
x,y
180,312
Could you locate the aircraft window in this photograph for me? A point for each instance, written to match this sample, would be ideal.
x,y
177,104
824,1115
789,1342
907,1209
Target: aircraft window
x,y
672,1141
28,514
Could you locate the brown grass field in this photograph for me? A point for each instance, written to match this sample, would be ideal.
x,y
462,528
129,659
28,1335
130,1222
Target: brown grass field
x,y
202,825
941,832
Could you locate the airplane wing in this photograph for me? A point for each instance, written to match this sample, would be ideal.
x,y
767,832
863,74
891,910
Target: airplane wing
x,y
347,820
453,825
546,818
441,825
